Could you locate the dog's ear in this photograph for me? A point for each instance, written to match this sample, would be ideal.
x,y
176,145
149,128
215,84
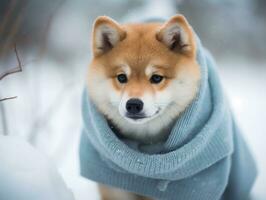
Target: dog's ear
x,y
106,34
178,36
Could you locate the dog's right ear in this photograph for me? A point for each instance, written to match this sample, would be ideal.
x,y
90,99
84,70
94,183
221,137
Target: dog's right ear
x,y
106,34
178,36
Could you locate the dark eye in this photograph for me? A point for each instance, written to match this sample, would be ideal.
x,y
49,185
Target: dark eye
x,y
156,78
122,78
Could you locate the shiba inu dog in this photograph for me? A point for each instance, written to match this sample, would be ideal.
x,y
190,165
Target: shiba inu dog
x,y
141,78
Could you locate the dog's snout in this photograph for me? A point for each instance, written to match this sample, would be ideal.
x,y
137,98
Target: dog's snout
x,y
134,106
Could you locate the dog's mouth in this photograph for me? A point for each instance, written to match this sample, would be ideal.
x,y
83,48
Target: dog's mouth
x,y
142,117
136,117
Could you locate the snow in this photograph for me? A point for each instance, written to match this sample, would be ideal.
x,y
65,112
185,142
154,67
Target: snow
x,y
26,174
47,110
244,83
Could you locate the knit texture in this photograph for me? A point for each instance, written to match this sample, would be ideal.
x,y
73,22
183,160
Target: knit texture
x,y
204,157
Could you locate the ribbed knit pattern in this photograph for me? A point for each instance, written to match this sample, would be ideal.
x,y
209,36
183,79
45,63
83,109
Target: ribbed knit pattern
x,y
204,158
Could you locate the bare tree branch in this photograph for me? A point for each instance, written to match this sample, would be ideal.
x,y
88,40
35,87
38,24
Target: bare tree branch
x,y
8,98
14,70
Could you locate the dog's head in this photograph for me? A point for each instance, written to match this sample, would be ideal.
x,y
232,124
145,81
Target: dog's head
x,y
143,72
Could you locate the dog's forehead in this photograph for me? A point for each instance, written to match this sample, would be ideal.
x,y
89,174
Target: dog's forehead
x,y
141,49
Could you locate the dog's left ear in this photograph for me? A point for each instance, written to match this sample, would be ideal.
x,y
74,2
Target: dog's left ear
x,y
178,36
107,33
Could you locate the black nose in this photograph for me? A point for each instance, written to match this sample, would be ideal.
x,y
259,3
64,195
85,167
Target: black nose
x,y
134,106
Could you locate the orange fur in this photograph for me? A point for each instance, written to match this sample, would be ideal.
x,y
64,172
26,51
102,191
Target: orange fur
x,y
138,46
108,193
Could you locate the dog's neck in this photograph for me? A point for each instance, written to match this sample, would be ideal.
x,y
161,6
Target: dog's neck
x,y
152,132
147,137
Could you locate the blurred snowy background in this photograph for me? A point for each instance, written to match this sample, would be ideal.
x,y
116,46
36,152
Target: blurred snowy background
x,y
53,44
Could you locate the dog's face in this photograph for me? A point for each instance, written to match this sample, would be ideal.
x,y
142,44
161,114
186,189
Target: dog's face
x,y
143,72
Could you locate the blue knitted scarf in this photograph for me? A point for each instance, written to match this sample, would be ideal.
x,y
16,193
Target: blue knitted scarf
x,y
204,157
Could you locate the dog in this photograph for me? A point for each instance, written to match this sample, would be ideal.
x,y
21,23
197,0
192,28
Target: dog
x,y
150,75
142,77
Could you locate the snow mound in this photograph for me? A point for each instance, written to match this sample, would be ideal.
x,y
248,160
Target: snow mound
x,y
27,174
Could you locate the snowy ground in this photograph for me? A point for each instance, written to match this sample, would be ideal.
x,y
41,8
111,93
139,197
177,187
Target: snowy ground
x,y
244,83
47,110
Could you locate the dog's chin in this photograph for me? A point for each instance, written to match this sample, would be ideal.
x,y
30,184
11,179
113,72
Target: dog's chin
x,y
142,119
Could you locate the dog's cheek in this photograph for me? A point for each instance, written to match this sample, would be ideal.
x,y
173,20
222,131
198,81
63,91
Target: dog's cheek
x,y
162,86
114,96
99,88
164,97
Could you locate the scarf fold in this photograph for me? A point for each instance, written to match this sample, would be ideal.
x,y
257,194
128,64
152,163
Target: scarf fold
x,y
193,163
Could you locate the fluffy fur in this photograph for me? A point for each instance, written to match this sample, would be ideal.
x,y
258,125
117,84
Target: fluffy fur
x,y
139,51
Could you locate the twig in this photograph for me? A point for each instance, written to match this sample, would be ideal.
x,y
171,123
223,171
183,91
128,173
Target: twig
x,y
8,98
15,70
12,71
